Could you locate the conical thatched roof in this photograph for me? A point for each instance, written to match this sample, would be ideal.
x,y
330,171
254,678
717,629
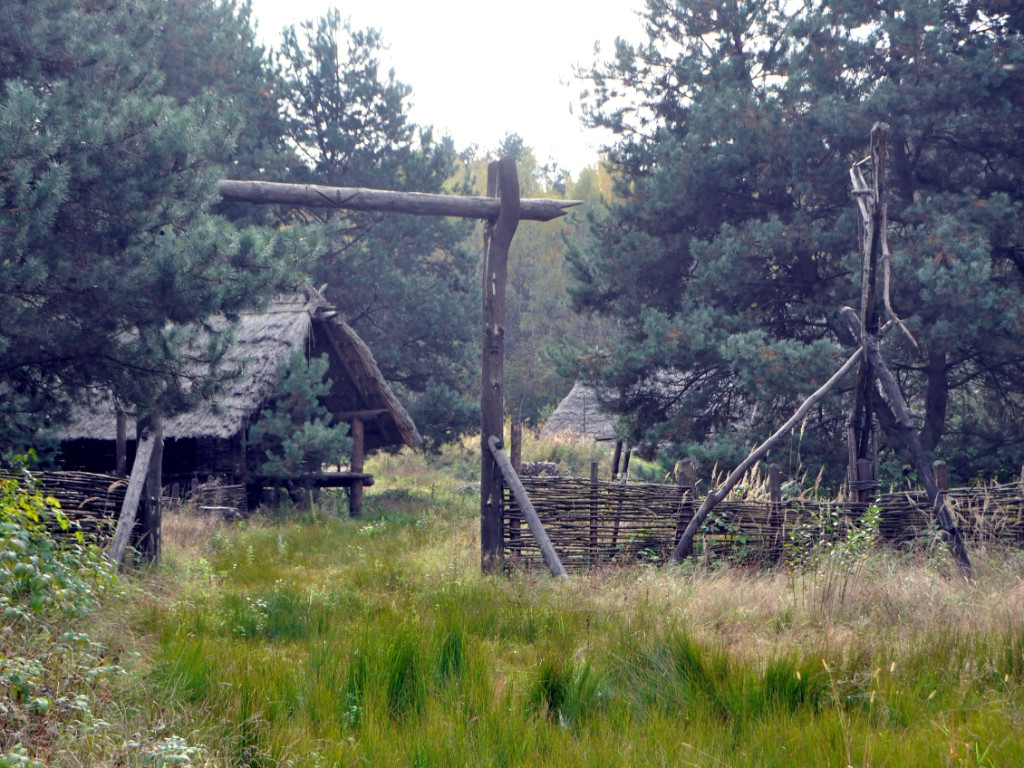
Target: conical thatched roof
x,y
262,343
580,414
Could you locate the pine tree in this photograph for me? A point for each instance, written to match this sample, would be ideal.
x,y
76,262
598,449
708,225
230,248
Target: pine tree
x,y
109,255
408,285
294,431
735,244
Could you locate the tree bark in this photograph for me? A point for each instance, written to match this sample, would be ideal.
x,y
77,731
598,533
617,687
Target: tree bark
x,y
936,400
503,183
905,423
361,199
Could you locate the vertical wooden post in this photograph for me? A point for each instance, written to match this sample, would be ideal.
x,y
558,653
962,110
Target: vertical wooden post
x,y
355,493
516,452
776,515
871,205
593,512
941,475
686,479
238,468
625,464
151,504
774,484
121,445
502,183
616,456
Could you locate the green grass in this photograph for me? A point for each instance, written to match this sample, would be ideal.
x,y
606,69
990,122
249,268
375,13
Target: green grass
x,y
316,640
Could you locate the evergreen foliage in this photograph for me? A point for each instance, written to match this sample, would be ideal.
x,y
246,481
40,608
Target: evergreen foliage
x,y
109,255
735,243
294,431
407,284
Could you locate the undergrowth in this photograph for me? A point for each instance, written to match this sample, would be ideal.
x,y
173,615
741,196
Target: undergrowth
x,y
312,639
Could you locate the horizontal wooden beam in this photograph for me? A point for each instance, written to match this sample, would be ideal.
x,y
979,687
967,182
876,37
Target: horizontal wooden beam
x,y
368,415
388,201
320,479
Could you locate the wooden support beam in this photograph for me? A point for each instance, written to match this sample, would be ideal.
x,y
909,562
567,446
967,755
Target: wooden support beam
x,y
905,424
151,504
503,184
360,199
319,479
121,445
363,416
355,498
685,545
547,549
130,506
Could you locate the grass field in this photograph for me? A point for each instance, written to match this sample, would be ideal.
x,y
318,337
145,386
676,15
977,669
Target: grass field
x,y
309,639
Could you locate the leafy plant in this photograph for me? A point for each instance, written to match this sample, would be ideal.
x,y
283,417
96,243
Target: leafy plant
x,y
830,547
45,564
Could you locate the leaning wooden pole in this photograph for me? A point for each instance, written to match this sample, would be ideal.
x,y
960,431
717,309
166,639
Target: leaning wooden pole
x,y
905,424
685,545
387,201
502,183
547,549
130,506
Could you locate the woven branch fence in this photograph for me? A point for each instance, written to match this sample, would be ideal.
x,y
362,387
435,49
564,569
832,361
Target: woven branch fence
x,y
594,524
92,502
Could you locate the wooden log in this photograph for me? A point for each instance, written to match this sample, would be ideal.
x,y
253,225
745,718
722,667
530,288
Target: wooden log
x,y
941,475
320,479
774,484
547,549
363,416
616,456
593,512
905,424
686,479
503,183
355,498
121,445
151,504
517,446
685,545
386,201
129,509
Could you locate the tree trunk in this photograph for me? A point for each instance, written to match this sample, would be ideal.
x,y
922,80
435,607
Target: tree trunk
x,y
935,401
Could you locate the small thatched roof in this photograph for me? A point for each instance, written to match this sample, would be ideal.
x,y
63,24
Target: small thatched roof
x,y
580,414
262,343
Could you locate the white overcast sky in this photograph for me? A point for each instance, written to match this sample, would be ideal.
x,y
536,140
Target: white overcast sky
x,y
480,70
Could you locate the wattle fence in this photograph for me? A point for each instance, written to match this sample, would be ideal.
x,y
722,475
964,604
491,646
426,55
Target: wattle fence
x,y
593,524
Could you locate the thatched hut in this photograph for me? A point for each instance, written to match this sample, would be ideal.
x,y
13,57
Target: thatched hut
x,y
580,414
210,440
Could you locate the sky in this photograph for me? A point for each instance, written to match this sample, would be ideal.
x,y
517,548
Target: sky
x,y
480,70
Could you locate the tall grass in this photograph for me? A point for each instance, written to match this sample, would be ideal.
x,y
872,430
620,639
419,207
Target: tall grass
x,y
323,641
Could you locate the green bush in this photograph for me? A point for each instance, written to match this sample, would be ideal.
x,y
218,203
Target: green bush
x,y
45,564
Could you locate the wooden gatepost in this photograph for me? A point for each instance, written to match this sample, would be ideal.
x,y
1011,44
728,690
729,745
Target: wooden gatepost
x,y
502,209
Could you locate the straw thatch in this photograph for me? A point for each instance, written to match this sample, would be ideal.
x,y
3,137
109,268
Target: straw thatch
x,y
580,414
261,343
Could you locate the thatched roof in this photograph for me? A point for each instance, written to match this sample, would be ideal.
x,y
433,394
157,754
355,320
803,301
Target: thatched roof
x,y
580,414
262,342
